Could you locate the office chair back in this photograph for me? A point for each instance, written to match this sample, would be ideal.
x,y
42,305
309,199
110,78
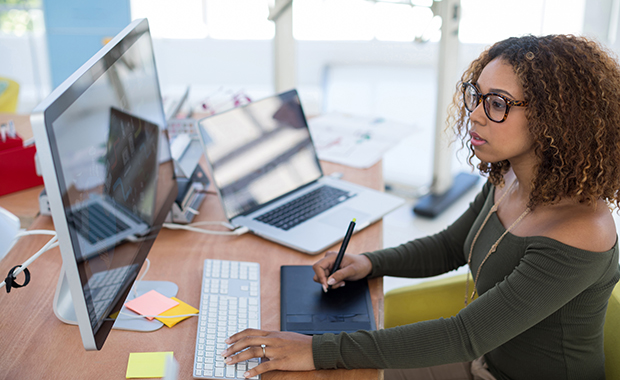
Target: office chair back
x,y
9,91
612,336
444,298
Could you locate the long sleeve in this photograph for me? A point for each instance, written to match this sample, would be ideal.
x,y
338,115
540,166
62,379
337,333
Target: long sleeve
x,y
540,311
431,255
545,281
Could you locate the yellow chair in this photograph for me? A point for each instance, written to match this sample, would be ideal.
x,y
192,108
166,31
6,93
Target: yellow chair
x,y
9,91
444,298
612,336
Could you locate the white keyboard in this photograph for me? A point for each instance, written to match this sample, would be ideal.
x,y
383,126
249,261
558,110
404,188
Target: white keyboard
x,y
229,303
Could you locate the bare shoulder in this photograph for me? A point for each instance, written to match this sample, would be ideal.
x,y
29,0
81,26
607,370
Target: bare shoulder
x,y
581,226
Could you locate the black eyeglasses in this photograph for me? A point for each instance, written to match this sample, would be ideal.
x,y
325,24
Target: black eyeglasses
x,y
496,106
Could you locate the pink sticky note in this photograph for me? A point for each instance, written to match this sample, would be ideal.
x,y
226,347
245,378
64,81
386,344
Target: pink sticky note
x,y
151,303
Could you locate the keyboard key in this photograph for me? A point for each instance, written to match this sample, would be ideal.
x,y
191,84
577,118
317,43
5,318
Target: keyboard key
x,y
305,207
225,313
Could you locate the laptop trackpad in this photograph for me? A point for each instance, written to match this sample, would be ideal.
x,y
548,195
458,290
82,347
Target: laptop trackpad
x,y
341,218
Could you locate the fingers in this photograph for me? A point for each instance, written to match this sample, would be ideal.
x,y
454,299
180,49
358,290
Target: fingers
x,y
250,353
337,279
245,333
249,340
285,351
323,267
265,366
353,267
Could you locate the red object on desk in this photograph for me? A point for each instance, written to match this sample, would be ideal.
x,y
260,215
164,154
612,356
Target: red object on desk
x,y
17,166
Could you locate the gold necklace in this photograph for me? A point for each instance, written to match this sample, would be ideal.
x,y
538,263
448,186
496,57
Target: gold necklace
x,y
494,246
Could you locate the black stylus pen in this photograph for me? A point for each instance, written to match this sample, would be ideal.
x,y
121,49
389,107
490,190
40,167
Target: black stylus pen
x,y
343,248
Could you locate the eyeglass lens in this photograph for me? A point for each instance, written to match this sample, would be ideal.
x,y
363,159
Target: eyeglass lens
x,y
494,106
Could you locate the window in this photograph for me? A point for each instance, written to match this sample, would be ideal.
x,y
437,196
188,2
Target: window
x,y
362,20
482,21
172,19
18,17
401,22
487,21
193,19
239,20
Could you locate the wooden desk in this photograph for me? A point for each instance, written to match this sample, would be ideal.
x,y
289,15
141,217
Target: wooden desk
x,y
34,344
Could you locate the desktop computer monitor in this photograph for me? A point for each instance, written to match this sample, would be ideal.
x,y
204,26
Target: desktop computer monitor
x,y
105,158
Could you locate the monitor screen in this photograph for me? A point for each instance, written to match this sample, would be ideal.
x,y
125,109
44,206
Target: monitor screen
x,y
105,159
259,152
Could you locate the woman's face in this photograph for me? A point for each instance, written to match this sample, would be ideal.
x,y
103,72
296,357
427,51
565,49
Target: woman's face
x,y
509,140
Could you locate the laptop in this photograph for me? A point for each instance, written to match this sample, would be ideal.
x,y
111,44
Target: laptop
x,y
268,177
122,206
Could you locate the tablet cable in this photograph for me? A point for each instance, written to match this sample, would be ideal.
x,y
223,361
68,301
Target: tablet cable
x,y
194,227
9,282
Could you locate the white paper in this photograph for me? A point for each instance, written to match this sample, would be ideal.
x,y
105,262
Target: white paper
x,y
355,141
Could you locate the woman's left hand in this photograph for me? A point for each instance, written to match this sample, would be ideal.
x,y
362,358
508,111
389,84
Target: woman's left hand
x,y
286,351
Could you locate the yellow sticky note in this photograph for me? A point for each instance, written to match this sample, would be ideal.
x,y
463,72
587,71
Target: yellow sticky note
x,y
145,365
181,309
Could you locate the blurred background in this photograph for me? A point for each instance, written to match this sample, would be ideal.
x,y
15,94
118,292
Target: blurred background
x,y
376,59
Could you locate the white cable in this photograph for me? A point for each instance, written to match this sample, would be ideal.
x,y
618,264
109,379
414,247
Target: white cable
x,y
157,316
135,239
35,232
146,270
237,232
212,222
52,243
191,210
135,287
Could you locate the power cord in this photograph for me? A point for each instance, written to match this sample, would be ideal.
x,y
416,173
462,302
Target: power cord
x,y
135,293
194,227
146,270
9,282
156,316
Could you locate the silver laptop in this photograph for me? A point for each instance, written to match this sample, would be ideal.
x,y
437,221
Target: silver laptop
x,y
267,174
122,205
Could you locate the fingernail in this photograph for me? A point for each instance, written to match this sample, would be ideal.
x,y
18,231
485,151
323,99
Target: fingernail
x,y
246,375
341,285
228,360
331,281
324,289
227,341
224,353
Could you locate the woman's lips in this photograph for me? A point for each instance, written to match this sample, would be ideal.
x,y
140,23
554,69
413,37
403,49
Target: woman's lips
x,y
476,140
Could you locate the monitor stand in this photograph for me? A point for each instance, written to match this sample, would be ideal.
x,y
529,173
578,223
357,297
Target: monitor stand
x,y
63,304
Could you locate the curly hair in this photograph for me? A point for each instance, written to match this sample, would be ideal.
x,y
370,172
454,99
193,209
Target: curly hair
x,y
572,86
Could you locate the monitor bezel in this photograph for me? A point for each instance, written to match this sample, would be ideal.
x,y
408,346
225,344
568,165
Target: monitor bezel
x,y
42,119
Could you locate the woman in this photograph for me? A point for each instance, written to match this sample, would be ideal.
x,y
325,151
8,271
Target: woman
x,y
542,114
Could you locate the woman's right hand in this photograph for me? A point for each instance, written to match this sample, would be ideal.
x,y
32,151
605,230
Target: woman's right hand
x,y
352,267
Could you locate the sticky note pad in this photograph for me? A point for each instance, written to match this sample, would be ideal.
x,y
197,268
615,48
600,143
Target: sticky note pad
x,y
151,303
181,309
144,365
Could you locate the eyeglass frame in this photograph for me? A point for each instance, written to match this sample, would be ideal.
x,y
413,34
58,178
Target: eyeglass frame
x,y
483,97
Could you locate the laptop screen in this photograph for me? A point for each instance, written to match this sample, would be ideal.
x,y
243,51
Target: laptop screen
x,y
259,152
131,164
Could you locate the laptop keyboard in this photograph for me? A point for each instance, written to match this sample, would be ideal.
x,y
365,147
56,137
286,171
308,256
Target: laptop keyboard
x,y
303,208
102,287
96,223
